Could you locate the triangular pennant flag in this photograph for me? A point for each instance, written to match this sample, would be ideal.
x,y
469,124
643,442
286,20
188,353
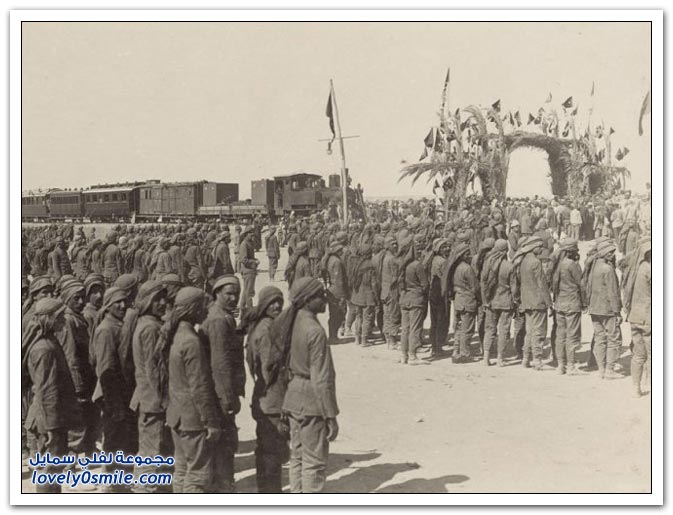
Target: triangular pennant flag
x,y
438,142
619,155
548,99
463,126
574,111
612,131
511,118
568,103
626,151
429,140
435,186
424,154
329,113
566,130
457,112
531,119
517,117
496,106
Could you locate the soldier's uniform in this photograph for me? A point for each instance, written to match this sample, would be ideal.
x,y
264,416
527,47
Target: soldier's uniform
x,y
413,306
248,268
390,296
337,290
272,253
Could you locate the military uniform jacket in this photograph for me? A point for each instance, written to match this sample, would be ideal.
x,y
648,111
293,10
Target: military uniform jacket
x,y
604,298
415,293
112,263
465,288
111,387
225,347
571,297
436,273
641,300
194,265
82,268
74,340
312,387
221,261
269,399
140,265
272,247
506,290
246,254
389,275
338,283
54,405
177,264
302,269
192,401
147,394
534,288
365,294
60,264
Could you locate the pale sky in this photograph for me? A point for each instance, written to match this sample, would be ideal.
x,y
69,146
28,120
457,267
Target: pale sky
x,y
107,102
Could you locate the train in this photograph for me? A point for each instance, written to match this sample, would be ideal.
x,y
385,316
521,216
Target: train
x,y
154,201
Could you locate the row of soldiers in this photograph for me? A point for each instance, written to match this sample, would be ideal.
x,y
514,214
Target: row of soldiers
x,y
495,277
152,362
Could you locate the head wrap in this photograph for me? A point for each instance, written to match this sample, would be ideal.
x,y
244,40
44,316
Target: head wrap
x,y
146,295
126,282
457,252
40,326
187,303
364,255
266,296
92,280
39,283
224,280
70,289
529,244
172,283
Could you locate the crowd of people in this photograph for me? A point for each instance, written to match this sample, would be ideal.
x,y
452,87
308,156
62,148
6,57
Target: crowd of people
x,y
139,340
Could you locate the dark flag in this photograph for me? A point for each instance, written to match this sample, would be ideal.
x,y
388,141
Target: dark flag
x,y
463,126
430,138
435,186
330,114
626,151
646,108
531,119
619,155
599,132
566,130
517,117
568,103
496,106
511,119
438,141
424,154
574,111
612,131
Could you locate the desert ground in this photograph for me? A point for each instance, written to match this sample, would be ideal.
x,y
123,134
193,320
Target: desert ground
x,y
467,428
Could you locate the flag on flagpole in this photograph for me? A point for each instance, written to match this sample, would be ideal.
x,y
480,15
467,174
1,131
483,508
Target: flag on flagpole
x,y
645,109
568,103
517,117
430,138
330,114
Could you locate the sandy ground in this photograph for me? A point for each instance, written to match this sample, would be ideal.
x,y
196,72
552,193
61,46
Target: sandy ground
x,y
443,427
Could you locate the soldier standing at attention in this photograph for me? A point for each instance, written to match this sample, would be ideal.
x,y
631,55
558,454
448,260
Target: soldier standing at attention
x,y
153,435
605,308
264,355
44,370
111,258
337,289
249,265
221,260
74,339
310,400
569,302
463,288
272,252
363,297
112,392
390,296
193,411
637,281
535,299
413,299
228,369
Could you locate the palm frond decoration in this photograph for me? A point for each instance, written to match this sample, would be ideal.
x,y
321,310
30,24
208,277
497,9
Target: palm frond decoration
x,y
478,117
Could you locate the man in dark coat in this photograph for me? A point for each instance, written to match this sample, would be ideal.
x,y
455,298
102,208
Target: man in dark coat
x,y
272,252
337,289
193,411
227,364
249,266
413,298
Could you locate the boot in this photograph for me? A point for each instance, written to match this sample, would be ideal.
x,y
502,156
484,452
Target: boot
x,y
403,358
357,340
561,369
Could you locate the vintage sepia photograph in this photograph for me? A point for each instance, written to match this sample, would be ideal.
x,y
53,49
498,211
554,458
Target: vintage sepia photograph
x,y
335,254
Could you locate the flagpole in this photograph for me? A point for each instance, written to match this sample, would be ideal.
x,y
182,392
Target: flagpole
x,y
344,185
